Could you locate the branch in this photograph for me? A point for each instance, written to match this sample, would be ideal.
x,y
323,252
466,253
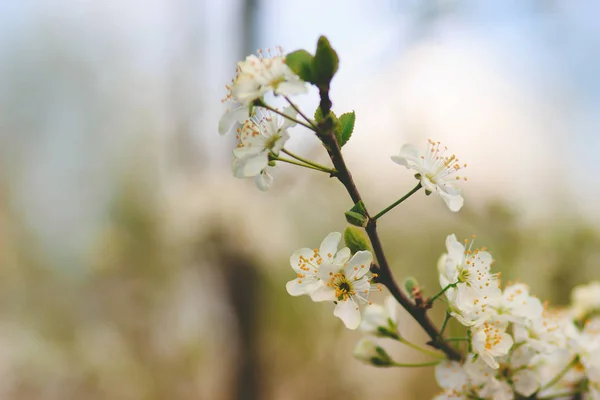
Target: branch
x,y
327,136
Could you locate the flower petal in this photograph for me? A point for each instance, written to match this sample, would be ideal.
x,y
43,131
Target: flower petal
x,y
323,293
347,310
263,180
238,114
342,256
454,202
295,288
253,165
329,246
408,155
359,264
297,259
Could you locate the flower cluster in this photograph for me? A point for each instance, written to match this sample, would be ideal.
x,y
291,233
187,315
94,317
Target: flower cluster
x,y
509,344
515,344
326,274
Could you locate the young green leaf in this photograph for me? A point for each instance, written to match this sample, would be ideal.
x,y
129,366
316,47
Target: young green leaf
x,y
347,127
356,239
301,62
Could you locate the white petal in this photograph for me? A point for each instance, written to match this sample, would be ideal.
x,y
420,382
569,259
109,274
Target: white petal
x,y
329,246
246,151
263,180
408,154
450,375
526,382
239,115
295,258
391,305
454,202
323,293
295,288
292,113
254,165
359,264
347,310
326,271
291,88
455,249
342,256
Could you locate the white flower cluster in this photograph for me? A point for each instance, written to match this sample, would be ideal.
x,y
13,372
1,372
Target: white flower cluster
x,y
516,346
262,133
326,274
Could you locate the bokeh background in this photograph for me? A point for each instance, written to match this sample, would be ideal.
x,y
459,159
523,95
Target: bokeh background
x,y
134,266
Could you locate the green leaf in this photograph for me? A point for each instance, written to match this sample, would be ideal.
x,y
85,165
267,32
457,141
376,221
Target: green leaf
x,y
325,62
355,218
357,215
356,239
347,127
301,62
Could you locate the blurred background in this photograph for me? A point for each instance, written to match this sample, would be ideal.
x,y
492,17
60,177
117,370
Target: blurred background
x,y
134,266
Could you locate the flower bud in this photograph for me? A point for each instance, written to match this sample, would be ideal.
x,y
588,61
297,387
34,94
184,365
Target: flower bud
x,y
381,321
370,353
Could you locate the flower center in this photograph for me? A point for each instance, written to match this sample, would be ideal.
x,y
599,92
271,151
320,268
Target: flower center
x,y
270,142
343,287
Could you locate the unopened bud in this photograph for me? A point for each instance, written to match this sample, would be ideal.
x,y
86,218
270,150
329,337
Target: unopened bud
x,y
370,353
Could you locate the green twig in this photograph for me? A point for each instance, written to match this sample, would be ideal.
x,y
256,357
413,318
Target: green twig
x,y
295,107
391,206
274,158
426,364
431,300
560,375
305,161
276,111
421,349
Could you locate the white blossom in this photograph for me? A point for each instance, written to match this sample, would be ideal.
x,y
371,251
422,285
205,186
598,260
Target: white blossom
x,y
307,262
348,286
490,340
262,135
257,75
452,377
437,172
474,286
516,305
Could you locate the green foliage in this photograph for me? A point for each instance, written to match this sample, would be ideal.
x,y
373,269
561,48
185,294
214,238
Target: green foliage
x,y
301,62
356,239
346,127
357,215
318,69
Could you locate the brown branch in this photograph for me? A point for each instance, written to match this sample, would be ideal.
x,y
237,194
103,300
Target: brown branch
x,y
327,136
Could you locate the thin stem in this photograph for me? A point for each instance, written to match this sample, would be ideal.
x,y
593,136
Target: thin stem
x,y
560,375
431,300
305,161
276,111
421,349
394,204
559,395
426,364
295,107
325,132
445,323
274,158
457,339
